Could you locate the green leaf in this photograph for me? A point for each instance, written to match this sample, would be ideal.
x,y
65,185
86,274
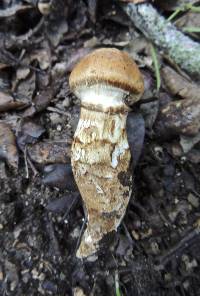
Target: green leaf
x,y
174,14
191,29
117,289
183,8
156,67
192,7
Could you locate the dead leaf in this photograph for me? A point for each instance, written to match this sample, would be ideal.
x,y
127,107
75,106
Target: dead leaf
x,y
8,149
135,133
49,152
62,204
8,102
75,57
56,31
187,143
194,156
150,111
29,133
179,117
189,20
40,102
60,176
43,57
92,9
26,87
178,85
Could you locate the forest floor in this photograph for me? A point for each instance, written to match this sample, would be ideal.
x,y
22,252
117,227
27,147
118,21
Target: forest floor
x,y
156,248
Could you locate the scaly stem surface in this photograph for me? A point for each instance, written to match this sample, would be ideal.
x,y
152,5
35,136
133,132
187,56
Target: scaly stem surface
x,y
100,162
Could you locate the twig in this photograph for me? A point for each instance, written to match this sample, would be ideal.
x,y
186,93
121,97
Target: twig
x,y
33,31
10,60
177,250
184,51
26,163
35,172
53,239
71,206
80,234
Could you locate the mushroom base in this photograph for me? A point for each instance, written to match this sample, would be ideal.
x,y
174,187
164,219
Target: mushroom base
x,y
100,163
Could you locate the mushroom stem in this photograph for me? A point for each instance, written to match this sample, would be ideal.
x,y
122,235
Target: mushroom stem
x,y
100,162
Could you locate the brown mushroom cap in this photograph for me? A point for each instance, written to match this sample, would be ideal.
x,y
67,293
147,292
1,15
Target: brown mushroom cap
x,y
108,66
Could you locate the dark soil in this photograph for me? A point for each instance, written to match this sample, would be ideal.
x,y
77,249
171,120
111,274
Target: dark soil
x,y
156,248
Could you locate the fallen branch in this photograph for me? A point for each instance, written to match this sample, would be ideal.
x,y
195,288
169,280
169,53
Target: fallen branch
x,y
184,51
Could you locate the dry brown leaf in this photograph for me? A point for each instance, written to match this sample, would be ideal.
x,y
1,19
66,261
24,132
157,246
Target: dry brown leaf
x,y
189,20
179,116
179,86
8,149
8,102
49,152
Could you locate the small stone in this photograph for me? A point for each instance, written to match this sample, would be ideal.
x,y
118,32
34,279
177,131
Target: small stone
x,y
1,276
62,276
78,292
66,102
11,275
176,150
26,277
41,277
135,235
155,248
3,174
22,72
167,277
146,233
91,42
176,201
59,128
49,286
197,223
17,232
193,200
189,264
186,284
55,118
35,274
75,233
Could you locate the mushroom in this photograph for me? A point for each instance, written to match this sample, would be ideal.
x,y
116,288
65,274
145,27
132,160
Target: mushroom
x,y
108,83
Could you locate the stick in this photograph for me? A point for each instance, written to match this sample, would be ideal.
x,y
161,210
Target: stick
x,y
184,51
